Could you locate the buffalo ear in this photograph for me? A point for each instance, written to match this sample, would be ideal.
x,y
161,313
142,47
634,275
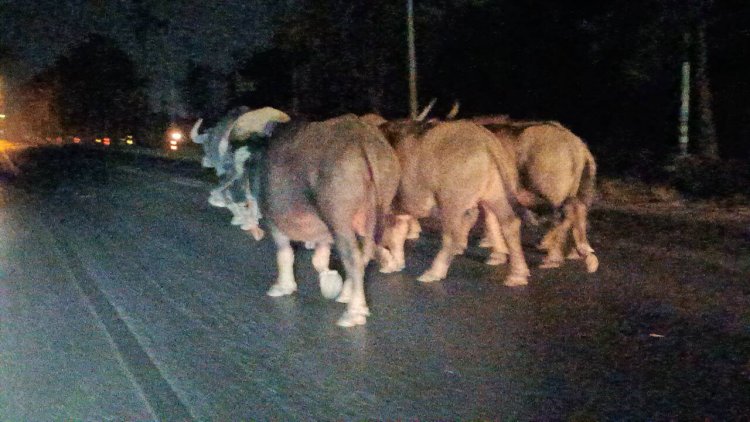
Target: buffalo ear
x,y
259,121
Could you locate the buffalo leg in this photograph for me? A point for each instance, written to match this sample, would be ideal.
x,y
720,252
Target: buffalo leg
x,y
330,280
356,310
368,238
582,245
392,257
551,237
368,250
414,229
285,283
510,228
557,238
455,226
494,239
491,229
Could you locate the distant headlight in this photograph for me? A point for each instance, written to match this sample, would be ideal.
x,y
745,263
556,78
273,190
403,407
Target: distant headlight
x,y
176,136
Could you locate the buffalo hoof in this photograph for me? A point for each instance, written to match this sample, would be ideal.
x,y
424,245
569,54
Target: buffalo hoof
x,y
391,267
592,263
388,262
516,280
485,242
256,232
553,260
497,259
217,200
352,319
346,292
429,277
548,263
330,284
278,290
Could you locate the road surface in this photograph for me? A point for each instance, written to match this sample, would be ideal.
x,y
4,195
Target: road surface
x,y
125,296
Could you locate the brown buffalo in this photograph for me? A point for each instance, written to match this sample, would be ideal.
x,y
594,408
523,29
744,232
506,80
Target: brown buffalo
x,y
324,182
455,166
556,169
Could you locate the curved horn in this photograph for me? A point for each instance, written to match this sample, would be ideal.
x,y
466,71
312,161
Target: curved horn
x,y
426,110
198,139
257,121
454,111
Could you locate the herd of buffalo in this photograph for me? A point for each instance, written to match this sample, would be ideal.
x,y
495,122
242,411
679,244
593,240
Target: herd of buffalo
x,y
361,183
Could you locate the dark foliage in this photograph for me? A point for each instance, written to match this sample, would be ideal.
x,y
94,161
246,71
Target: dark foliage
x,y
706,178
205,91
99,90
610,71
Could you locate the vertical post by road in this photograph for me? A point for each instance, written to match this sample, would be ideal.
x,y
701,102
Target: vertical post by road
x,y
685,109
412,59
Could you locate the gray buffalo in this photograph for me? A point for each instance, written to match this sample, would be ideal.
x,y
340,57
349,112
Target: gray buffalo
x,y
558,170
457,167
323,182
230,163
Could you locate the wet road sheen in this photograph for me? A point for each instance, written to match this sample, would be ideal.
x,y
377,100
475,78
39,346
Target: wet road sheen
x,y
144,303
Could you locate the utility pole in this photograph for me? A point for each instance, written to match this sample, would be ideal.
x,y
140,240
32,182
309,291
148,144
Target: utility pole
x,y
412,60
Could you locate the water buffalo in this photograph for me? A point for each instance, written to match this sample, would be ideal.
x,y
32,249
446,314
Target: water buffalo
x,y
230,164
556,169
455,166
323,182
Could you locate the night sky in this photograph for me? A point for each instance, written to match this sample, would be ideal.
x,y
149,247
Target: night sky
x,y
161,36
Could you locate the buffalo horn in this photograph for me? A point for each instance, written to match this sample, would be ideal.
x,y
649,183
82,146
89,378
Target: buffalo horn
x,y
454,111
198,139
426,110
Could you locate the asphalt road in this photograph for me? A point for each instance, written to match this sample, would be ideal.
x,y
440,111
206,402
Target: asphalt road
x,y
125,296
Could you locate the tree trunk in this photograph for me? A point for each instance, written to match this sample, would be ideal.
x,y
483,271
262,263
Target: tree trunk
x,y
708,145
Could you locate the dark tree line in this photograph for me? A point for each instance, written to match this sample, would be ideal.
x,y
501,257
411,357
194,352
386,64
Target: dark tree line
x,y
99,88
94,90
609,70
